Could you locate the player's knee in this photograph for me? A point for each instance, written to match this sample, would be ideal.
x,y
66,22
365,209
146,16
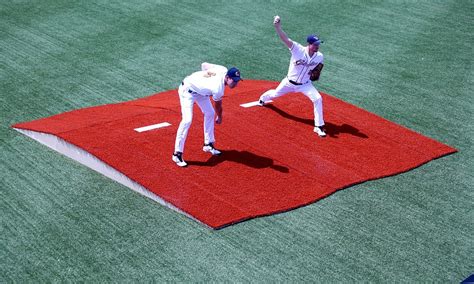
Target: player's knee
x,y
186,122
210,113
316,99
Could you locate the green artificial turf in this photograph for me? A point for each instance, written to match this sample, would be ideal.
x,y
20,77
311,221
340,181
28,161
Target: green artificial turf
x,y
408,61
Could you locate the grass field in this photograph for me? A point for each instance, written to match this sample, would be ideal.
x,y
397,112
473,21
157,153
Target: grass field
x,y
408,61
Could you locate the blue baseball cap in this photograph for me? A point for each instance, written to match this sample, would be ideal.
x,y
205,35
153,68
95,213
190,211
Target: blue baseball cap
x,y
314,39
234,73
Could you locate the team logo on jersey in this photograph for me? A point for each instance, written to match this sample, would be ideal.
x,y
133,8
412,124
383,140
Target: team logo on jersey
x,y
209,74
304,63
300,62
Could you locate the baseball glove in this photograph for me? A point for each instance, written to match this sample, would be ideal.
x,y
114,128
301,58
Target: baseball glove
x,y
316,72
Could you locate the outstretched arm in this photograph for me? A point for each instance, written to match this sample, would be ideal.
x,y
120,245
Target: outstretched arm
x,y
281,33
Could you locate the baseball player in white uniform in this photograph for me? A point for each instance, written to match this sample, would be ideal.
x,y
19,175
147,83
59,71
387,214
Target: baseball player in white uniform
x,y
303,60
198,88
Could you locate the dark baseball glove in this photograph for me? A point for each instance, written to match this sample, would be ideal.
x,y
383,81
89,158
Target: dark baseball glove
x,y
316,72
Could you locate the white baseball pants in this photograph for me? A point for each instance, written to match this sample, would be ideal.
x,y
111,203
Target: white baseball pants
x,y
307,89
187,101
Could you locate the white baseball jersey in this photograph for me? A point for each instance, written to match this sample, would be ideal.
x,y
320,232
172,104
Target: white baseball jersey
x,y
208,82
301,63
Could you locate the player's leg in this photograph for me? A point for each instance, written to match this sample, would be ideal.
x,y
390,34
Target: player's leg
x,y
283,88
310,91
187,102
207,109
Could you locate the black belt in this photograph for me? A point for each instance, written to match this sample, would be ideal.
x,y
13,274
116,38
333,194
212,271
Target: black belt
x,y
295,83
189,90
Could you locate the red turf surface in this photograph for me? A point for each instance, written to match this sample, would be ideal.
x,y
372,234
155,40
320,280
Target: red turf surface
x,y
271,161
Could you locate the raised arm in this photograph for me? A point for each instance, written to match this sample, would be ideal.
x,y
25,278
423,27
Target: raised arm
x,y
281,33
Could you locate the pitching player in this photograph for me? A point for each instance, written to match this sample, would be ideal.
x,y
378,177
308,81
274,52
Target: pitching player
x,y
304,60
198,88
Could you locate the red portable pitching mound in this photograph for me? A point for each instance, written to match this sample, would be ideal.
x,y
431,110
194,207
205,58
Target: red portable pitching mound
x,y
271,161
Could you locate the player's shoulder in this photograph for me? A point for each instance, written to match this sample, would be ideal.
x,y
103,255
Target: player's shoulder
x,y
218,69
296,46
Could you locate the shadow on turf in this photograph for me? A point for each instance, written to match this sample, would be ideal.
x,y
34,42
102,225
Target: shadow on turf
x,y
332,130
241,157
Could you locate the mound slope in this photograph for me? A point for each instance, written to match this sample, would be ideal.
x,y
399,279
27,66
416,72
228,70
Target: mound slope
x,y
271,162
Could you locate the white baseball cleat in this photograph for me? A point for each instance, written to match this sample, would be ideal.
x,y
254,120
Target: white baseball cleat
x,y
178,159
261,103
319,130
210,148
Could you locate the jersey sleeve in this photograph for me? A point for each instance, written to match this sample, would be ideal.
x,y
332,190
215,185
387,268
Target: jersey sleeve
x,y
295,47
217,96
218,75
